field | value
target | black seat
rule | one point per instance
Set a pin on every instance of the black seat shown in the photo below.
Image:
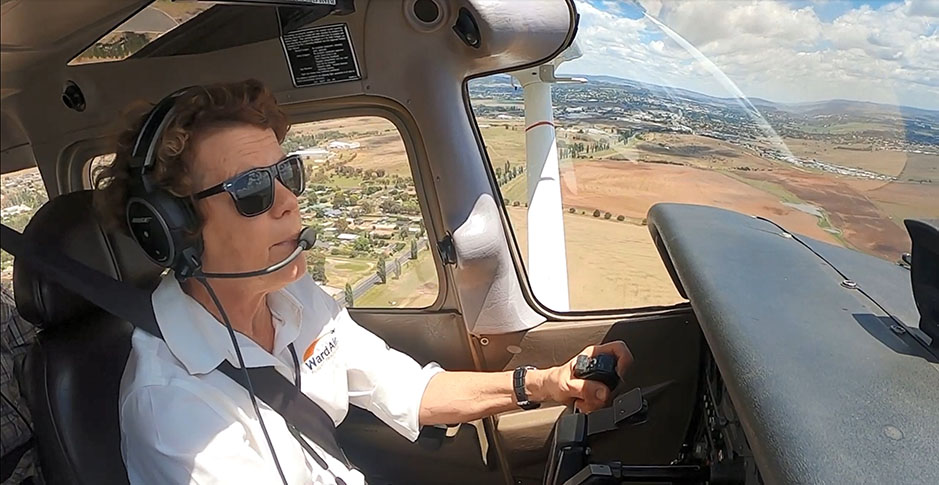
(72, 374)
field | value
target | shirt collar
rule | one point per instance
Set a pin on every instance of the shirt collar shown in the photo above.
(201, 343)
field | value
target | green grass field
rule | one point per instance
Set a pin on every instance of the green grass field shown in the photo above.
(340, 271)
(516, 189)
(849, 127)
(416, 288)
(344, 182)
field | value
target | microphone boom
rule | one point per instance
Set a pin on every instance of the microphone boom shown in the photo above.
(306, 241)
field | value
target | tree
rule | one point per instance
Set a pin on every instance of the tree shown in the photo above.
(607, 215)
(620, 218)
(382, 269)
(339, 200)
(350, 298)
(596, 213)
(623, 136)
(390, 206)
(362, 244)
(572, 210)
(413, 249)
(318, 272)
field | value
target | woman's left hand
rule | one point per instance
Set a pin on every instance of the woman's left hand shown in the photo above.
(558, 384)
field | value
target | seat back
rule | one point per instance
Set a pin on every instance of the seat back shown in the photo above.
(72, 374)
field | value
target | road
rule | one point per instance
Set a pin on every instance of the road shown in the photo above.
(366, 284)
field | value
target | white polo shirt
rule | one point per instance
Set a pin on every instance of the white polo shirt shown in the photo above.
(184, 422)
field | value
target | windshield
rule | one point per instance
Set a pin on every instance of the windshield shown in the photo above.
(144, 27)
(821, 117)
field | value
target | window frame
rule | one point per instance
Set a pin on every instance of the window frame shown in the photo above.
(680, 308)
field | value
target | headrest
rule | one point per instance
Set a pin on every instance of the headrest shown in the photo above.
(68, 223)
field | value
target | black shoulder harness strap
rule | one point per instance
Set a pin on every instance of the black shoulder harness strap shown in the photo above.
(135, 306)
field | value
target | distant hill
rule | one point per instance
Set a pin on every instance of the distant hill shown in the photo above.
(654, 88)
(833, 106)
(494, 80)
(859, 108)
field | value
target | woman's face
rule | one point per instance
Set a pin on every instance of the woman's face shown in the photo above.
(233, 242)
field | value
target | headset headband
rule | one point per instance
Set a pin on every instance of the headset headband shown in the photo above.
(145, 147)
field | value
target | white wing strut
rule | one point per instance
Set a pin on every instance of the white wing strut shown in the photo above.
(547, 257)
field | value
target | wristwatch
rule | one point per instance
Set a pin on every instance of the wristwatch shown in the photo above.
(518, 383)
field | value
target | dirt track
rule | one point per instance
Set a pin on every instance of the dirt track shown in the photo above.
(864, 225)
(630, 188)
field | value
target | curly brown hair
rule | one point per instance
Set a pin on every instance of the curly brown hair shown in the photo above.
(247, 102)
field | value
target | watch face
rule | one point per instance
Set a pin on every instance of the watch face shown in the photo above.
(528, 405)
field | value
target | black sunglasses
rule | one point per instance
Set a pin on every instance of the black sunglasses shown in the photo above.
(253, 191)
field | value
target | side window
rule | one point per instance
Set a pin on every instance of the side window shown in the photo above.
(22, 195)
(725, 113)
(93, 165)
(372, 248)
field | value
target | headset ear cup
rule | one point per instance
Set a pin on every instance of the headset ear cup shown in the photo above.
(149, 228)
(164, 226)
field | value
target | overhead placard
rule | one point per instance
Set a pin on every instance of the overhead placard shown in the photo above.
(320, 55)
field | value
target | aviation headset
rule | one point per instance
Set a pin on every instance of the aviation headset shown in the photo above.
(162, 224)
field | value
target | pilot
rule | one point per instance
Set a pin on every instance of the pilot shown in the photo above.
(184, 421)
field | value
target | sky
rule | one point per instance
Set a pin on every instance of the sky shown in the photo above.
(795, 51)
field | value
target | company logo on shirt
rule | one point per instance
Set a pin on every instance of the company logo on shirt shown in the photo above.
(321, 349)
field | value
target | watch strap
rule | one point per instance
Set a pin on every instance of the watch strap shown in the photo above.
(518, 384)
